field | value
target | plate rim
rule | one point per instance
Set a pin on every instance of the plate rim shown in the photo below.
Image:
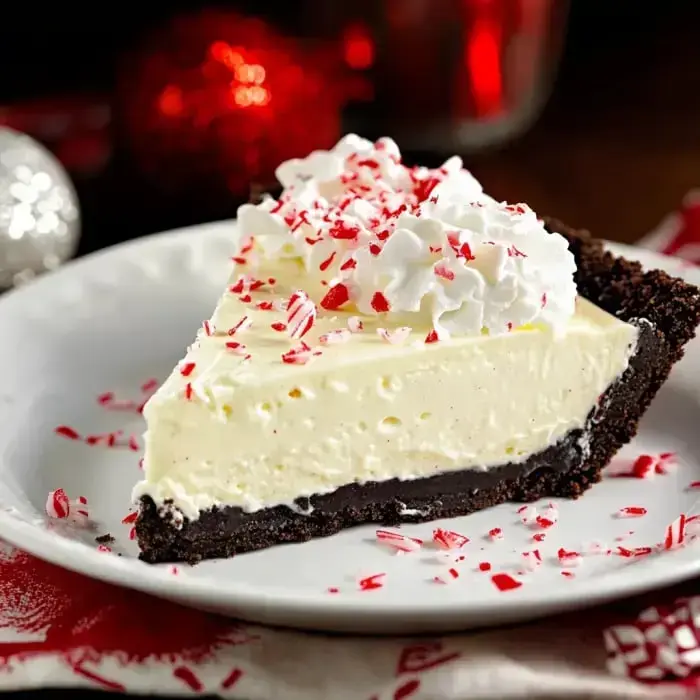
(200, 590)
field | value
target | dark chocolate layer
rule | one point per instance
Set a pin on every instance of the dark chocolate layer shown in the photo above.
(670, 310)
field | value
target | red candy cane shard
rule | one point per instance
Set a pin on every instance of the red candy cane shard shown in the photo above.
(401, 543)
(448, 539)
(149, 386)
(568, 558)
(58, 504)
(631, 512)
(450, 576)
(495, 534)
(336, 296)
(67, 432)
(675, 533)
(505, 582)
(370, 583)
(301, 314)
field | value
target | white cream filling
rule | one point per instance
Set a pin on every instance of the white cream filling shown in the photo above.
(260, 433)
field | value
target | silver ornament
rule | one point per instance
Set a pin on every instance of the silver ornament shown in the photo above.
(39, 213)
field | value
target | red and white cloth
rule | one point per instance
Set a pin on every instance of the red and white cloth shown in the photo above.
(60, 629)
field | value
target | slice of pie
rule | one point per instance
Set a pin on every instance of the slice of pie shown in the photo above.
(395, 346)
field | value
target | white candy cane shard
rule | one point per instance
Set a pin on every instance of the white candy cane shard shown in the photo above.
(399, 335)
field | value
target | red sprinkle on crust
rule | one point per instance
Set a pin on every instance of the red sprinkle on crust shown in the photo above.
(187, 369)
(335, 297)
(505, 582)
(370, 583)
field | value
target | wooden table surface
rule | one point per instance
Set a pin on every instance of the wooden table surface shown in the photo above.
(618, 145)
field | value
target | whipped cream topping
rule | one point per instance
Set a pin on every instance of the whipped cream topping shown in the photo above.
(383, 238)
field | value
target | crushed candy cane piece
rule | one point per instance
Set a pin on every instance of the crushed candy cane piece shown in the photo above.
(450, 576)
(448, 539)
(335, 337)
(484, 566)
(528, 514)
(301, 314)
(543, 522)
(58, 504)
(569, 558)
(243, 325)
(104, 548)
(532, 559)
(505, 582)
(60, 507)
(675, 533)
(646, 466)
(355, 324)
(300, 355)
(67, 432)
(495, 533)
(149, 386)
(395, 337)
(370, 583)
(398, 541)
(631, 512)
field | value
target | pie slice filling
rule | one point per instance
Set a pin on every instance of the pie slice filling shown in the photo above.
(393, 346)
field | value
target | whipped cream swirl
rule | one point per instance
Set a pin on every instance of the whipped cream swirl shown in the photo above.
(399, 241)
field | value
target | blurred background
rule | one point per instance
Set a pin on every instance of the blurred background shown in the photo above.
(165, 115)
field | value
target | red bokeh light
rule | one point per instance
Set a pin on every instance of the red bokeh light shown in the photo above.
(219, 97)
(358, 47)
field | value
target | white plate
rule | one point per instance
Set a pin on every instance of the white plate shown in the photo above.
(112, 320)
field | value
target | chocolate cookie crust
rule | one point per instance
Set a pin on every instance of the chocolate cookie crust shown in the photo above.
(667, 312)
